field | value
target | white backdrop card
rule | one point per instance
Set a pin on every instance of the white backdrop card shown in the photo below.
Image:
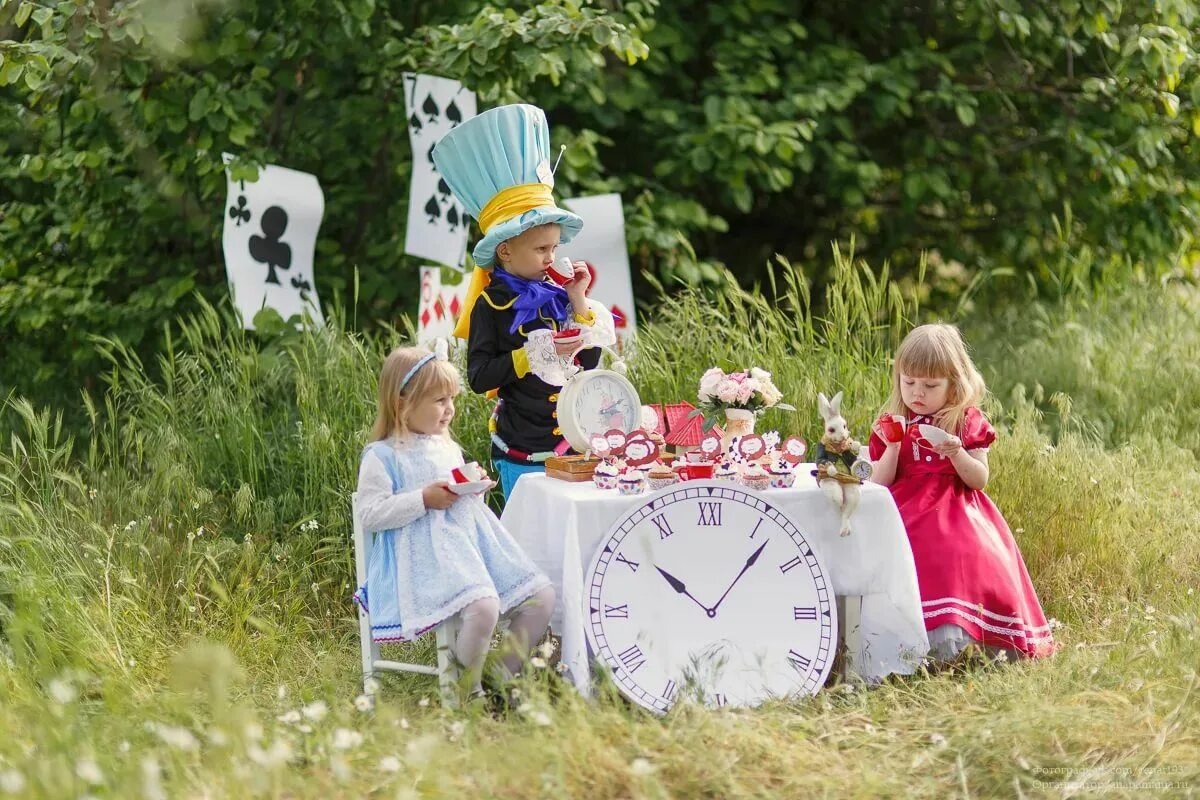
(602, 243)
(269, 238)
(437, 226)
(440, 306)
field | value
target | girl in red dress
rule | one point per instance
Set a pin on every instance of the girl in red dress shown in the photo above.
(974, 586)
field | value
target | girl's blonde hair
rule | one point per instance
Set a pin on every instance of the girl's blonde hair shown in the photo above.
(434, 378)
(938, 351)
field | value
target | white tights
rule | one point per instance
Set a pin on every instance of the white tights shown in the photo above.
(526, 624)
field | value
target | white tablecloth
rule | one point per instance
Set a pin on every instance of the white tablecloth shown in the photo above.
(560, 525)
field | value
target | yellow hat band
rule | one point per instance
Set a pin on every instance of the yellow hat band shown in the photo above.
(513, 202)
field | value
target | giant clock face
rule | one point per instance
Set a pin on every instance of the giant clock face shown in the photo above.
(709, 585)
(594, 402)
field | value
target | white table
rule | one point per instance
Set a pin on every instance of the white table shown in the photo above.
(560, 524)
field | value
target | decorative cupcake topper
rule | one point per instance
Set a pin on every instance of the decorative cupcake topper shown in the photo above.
(710, 445)
(751, 447)
(616, 439)
(640, 453)
(793, 450)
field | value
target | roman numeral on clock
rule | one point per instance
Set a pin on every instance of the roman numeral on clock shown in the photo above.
(804, 612)
(756, 527)
(632, 659)
(710, 514)
(633, 565)
(801, 663)
(663, 525)
(616, 612)
(669, 692)
(795, 562)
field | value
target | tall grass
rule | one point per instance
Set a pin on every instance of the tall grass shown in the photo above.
(174, 615)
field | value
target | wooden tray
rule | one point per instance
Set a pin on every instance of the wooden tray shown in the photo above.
(573, 469)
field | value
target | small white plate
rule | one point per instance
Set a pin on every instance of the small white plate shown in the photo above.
(473, 487)
(933, 434)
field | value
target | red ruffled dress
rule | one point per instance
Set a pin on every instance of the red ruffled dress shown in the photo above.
(969, 570)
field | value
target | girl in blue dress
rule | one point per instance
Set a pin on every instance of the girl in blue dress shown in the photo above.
(438, 554)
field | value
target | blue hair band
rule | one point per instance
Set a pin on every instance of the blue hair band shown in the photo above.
(409, 376)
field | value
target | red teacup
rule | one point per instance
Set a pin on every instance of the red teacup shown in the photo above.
(562, 271)
(892, 430)
(698, 471)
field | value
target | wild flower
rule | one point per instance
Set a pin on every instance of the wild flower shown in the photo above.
(315, 711)
(88, 771)
(11, 781)
(345, 739)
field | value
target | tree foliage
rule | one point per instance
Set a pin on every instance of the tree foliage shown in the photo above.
(1044, 139)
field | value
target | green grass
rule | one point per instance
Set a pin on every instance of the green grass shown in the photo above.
(174, 585)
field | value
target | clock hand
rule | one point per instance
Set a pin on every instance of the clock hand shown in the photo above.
(749, 563)
(678, 586)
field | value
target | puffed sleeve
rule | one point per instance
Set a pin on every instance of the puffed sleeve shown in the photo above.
(379, 508)
(978, 433)
(876, 447)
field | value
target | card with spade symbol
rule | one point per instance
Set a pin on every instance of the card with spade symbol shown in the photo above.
(437, 227)
(269, 238)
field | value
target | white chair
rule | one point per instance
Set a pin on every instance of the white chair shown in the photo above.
(447, 671)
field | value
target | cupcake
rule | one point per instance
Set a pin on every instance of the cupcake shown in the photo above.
(728, 471)
(755, 477)
(605, 476)
(631, 482)
(782, 475)
(660, 476)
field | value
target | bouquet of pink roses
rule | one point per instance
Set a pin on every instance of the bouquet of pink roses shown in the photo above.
(749, 390)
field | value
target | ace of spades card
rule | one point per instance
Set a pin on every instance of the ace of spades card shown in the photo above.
(437, 226)
(269, 238)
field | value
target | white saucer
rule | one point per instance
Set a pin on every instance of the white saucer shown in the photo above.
(933, 434)
(472, 487)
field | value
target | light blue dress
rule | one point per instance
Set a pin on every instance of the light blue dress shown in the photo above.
(428, 565)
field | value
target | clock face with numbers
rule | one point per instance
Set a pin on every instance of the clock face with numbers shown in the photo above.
(709, 588)
(596, 401)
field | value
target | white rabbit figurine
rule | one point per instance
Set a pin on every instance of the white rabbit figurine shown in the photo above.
(838, 447)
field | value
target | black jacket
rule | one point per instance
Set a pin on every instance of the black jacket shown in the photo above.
(528, 419)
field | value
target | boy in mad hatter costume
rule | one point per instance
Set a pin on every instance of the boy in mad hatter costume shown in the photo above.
(497, 164)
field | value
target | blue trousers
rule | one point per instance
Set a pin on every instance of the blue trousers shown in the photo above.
(510, 471)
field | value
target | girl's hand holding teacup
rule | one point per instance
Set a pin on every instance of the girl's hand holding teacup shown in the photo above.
(949, 448)
(437, 496)
(889, 430)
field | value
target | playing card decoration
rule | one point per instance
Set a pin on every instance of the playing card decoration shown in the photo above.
(269, 237)
(437, 226)
(602, 244)
(439, 307)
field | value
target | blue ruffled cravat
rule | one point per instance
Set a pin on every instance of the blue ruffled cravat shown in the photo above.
(534, 299)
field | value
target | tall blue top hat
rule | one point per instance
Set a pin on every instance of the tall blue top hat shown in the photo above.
(498, 166)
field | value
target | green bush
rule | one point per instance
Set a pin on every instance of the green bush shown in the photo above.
(1053, 141)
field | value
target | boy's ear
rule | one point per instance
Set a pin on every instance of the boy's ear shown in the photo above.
(503, 251)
